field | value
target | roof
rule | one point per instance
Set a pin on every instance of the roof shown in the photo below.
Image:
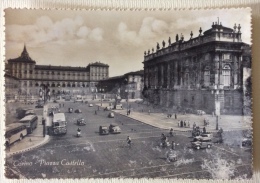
(27, 118)
(13, 126)
(23, 58)
(218, 26)
(141, 72)
(61, 68)
(58, 117)
(98, 64)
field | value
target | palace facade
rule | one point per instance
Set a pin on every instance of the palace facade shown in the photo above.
(203, 73)
(56, 78)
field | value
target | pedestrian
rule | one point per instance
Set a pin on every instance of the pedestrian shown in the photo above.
(128, 141)
(189, 124)
(175, 116)
(194, 125)
(173, 145)
(129, 111)
(171, 132)
(181, 123)
(95, 112)
(184, 124)
(204, 129)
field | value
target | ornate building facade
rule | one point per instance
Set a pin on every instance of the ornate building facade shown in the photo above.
(56, 78)
(200, 72)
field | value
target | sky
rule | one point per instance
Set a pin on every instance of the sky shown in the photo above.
(116, 38)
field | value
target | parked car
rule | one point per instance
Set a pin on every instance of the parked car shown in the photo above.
(111, 115)
(70, 110)
(203, 137)
(113, 128)
(78, 111)
(39, 105)
(90, 105)
(103, 130)
(200, 112)
(81, 122)
(197, 144)
(247, 142)
(108, 108)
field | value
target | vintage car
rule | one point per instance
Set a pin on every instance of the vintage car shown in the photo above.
(51, 113)
(203, 137)
(247, 142)
(81, 122)
(78, 111)
(39, 105)
(70, 110)
(90, 105)
(198, 144)
(114, 129)
(108, 108)
(111, 115)
(103, 130)
(200, 112)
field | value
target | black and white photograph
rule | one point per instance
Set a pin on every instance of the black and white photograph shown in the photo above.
(163, 94)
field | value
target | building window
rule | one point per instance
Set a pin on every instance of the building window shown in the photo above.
(227, 75)
(206, 76)
(226, 56)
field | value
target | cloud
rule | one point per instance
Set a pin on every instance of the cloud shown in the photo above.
(151, 28)
(45, 30)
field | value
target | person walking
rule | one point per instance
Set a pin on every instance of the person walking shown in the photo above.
(173, 145)
(175, 116)
(128, 141)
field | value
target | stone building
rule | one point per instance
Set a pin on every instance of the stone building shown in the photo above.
(12, 87)
(129, 85)
(202, 73)
(56, 78)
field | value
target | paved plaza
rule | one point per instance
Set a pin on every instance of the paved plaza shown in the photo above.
(96, 156)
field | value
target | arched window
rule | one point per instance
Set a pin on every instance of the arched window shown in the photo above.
(206, 76)
(227, 75)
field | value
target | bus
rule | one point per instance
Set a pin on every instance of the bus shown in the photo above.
(31, 122)
(59, 124)
(14, 132)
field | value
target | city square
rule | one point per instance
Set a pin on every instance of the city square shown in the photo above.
(177, 107)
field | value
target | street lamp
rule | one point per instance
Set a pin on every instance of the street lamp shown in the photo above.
(216, 92)
(101, 91)
(127, 91)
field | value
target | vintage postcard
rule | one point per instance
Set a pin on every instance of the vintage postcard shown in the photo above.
(128, 94)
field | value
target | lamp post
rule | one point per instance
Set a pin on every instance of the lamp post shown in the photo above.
(127, 91)
(101, 91)
(216, 92)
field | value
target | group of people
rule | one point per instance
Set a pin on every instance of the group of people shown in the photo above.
(185, 124)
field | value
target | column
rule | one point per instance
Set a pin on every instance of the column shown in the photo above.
(168, 75)
(216, 68)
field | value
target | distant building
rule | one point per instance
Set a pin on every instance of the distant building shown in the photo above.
(129, 85)
(56, 78)
(204, 72)
(12, 87)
